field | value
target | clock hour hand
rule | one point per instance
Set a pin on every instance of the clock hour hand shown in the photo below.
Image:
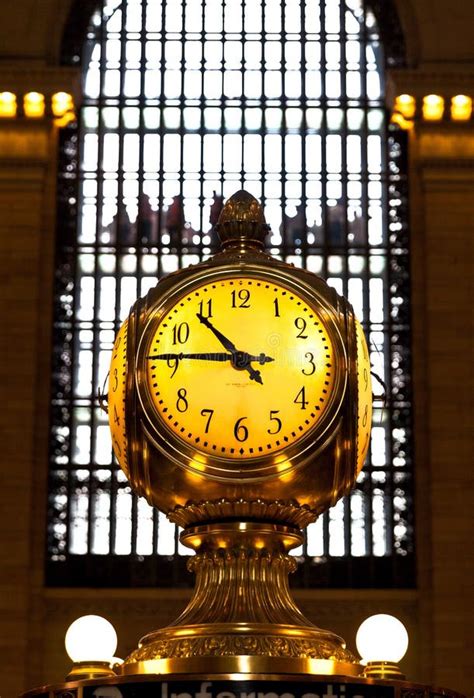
(254, 374)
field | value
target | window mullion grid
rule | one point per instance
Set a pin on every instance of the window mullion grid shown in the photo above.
(161, 149)
(388, 352)
(117, 323)
(288, 247)
(366, 295)
(180, 212)
(222, 97)
(121, 211)
(324, 221)
(344, 203)
(243, 120)
(117, 320)
(389, 372)
(202, 131)
(398, 248)
(388, 488)
(141, 196)
(71, 401)
(303, 130)
(181, 131)
(96, 322)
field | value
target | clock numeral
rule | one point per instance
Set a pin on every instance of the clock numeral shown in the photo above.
(241, 299)
(115, 386)
(116, 417)
(366, 378)
(173, 363)
(312, 365)
(241, 432)
(274, 418)
(300, 399)
(364, 418)
(277, 307)
(300, 324)
(209, 414)
(181, 402)
(180, 333)
(205, 308)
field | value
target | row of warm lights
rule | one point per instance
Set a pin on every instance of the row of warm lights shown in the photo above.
(91, 642)
(432, 109)
(34, 105)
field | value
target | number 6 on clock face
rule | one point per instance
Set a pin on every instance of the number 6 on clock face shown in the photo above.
(240, 367)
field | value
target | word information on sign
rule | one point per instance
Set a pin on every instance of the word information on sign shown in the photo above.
(239, 689)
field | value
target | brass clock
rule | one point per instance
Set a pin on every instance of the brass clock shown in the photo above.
(238, 374)
(240, 405)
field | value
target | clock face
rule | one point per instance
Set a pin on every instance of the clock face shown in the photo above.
(116, 396)
(240, 367)
(364, 391)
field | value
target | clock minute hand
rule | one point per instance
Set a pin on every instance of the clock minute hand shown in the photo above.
(226, 343)
(209, 356)
(241, 359)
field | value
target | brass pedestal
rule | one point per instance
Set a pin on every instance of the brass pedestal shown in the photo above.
(242, 617)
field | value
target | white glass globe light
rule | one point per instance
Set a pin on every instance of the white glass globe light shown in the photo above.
(382, 638)
(91, 639)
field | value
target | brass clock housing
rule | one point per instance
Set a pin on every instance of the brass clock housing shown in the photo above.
(316, 468)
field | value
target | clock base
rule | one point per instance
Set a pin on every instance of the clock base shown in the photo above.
(242, 614)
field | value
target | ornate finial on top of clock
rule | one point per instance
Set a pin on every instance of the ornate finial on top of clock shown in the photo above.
(242, 221)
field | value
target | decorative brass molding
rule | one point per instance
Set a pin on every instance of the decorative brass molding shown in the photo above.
(235, 645)
(198, 512)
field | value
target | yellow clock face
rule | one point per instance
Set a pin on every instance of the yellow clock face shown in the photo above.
(116, 397)
(364, 390)
(240, 367)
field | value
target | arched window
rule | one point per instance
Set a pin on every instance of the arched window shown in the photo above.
(184, 103)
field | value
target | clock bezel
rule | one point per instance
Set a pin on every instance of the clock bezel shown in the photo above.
(263, 466)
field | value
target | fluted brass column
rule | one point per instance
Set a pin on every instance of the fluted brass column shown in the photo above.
(242, 615)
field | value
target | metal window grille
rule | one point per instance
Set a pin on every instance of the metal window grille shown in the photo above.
(186, 102)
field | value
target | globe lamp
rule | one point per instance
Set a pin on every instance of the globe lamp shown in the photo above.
(382, 641)
(91, 642)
